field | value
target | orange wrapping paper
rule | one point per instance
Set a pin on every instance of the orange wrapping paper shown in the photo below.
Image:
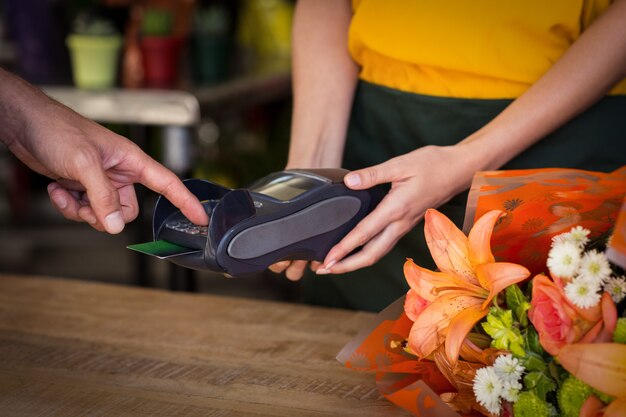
(411, 384)
(541, 203)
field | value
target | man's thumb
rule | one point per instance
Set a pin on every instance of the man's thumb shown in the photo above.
(104, 200)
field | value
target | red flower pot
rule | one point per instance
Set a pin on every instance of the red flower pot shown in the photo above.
(160, 55)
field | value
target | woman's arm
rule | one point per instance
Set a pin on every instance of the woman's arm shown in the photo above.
(430, 176)
(583, 75)
(324, 79)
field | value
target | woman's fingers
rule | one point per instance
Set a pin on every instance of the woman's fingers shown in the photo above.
(295, 271)
(315, 266)
(373, 224)
(372, 252)
(279, 267)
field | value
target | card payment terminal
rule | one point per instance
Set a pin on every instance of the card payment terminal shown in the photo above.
(287, 215)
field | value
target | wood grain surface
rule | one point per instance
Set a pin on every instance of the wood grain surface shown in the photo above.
(71, 348)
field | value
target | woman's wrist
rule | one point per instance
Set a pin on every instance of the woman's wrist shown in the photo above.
(310, 149)
(494, 145)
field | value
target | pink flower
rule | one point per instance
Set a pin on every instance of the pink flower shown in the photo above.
(558, 322)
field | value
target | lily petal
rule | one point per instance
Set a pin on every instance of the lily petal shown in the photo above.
(424, 340)
(480, 238)
(609, 318)
(602, 331)
(459, 327)
(591, 407)
(427, 284)
(430, 327)
(499, 275)
(419, 279)
(601, 365)
(448, 246)
(617, 408)
(414, 305)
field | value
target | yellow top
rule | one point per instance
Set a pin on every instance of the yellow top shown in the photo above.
(463, 48)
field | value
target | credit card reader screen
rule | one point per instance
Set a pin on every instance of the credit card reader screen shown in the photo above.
(286, 186)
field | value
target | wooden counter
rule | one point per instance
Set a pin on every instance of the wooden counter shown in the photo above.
(72, 348)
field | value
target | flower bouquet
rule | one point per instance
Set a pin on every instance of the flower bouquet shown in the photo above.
(480, 337)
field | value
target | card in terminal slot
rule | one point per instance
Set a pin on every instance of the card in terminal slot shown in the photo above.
(162, 249)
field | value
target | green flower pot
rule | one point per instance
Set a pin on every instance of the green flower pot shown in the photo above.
(94, 60)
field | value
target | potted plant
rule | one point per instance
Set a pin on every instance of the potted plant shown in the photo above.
(211, 44)
(94, 49)
(160, 49)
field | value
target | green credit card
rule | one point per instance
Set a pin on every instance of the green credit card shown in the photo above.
(162, 249)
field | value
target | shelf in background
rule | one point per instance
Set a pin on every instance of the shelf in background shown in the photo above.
(243, 91)
(172, 107)
(142, 107)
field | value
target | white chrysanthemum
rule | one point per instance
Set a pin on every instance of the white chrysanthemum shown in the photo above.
(510, 390)
(564, 259)
(579, 235)
(508, 368)
(616, 287)
(487, 389)
(595, 266)
(559, 239)
(583, 292)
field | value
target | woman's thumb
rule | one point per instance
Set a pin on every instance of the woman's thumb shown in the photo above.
(367, 177)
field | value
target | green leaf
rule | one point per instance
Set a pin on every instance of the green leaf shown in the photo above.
(490, 330)
(494, 321)
(514, 297)
(534, 362)
(517, 349)
(557, 372)
(531, 339)
(521, 313)
(540, 383)
(507, 318)
(518, 303)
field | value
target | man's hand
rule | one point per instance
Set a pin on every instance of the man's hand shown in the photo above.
(93, 168)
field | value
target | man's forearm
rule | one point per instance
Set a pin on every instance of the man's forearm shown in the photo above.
(18, 100)
(324, 79)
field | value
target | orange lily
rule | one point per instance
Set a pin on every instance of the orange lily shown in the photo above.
(602, 366)
(459, 296)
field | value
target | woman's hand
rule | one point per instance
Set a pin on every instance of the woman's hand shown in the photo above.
(424, 178)
(294, 270)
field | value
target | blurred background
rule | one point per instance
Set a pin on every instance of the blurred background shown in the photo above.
(202, 86)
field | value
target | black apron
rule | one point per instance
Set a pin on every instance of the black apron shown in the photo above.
(386, 123)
